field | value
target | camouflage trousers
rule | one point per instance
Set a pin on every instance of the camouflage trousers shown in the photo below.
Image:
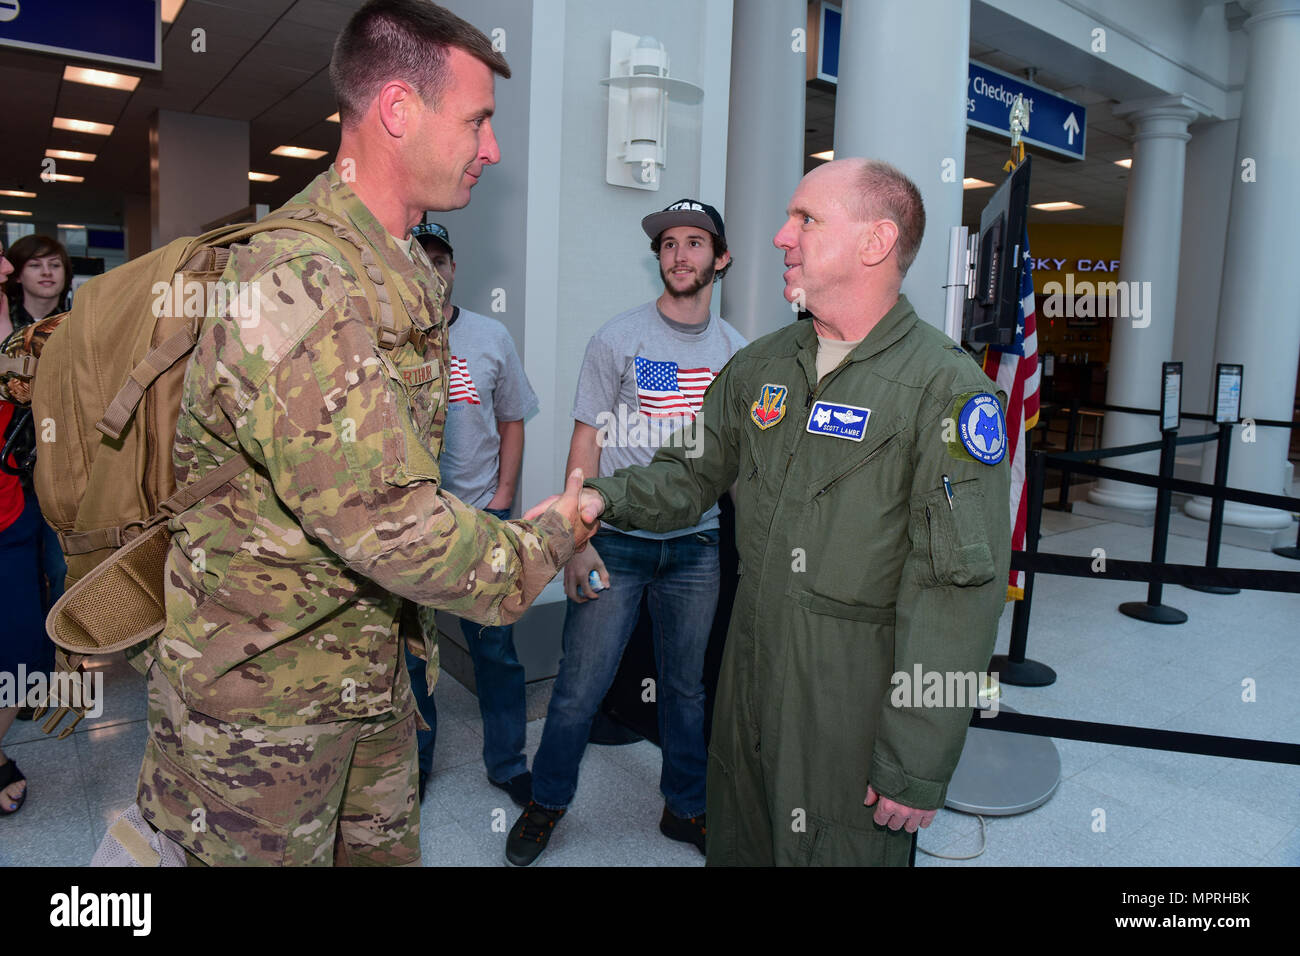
(341, 793)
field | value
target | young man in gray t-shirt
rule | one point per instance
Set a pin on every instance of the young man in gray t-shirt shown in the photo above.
(483, 446)
(641, 385)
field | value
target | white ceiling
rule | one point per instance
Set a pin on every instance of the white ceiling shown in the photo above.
(266, 62)
(1096, 182)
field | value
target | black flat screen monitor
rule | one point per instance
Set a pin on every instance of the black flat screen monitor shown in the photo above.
(991, 315)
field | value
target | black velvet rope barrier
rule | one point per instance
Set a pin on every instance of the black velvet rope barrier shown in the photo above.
(1191, 416)
(1182, 486)
(1150, 738)
(1068, 565)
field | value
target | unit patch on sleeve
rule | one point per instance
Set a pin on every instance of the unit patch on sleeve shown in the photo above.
(981, 429)
(839, 421)
(770, 407)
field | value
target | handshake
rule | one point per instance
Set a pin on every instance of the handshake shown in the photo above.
(581, 507)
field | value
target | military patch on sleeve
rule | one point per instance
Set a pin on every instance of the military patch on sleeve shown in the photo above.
(978, 429)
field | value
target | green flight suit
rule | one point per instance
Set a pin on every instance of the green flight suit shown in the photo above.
(854, 568)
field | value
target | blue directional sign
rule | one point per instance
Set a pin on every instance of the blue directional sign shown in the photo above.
(1055, 123)
(125, 32)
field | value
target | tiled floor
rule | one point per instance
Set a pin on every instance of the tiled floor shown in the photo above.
(1114, 805)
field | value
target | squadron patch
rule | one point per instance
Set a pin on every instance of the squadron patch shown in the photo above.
(981, 428)
(839, 421)
(770, 407)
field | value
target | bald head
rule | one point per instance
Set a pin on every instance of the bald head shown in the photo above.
(870, 190)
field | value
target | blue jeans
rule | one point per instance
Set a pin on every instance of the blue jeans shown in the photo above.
(500, 680)
(680, 578)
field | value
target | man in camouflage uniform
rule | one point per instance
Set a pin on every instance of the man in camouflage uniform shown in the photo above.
(282, 725)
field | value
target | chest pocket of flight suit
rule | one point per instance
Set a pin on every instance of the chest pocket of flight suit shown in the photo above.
(418, 391)
(955, 537)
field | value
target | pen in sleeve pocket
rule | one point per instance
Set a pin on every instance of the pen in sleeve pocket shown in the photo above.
(947, 490)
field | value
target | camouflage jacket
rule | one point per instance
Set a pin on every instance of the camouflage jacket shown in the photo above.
(284, 587)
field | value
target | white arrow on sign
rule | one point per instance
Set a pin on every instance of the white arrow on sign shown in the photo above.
(1071, 126)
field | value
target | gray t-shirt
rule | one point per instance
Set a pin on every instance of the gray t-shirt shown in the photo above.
(642, 381)
(486, 384)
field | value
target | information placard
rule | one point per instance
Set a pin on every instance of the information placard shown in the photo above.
(1171, 395)
(1227, 393)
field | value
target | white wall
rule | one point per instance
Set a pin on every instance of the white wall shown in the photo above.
(588, 259)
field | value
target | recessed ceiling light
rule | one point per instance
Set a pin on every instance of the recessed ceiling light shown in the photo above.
(1126, 163)
(83, 126)
(1056, 206)
(68, 225)
(970, 182)
(298, 152)
(62, 178)
(14, 212)
(114, 81)
(333, 118)
(263, 177)
(824, 154)
(71, 154)
(17, 193)
(170, 8)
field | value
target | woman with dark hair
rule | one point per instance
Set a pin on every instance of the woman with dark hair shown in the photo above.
(23, 644)
(38, 287)
(42, 276)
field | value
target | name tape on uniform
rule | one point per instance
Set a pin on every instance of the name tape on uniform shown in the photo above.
(839, 421)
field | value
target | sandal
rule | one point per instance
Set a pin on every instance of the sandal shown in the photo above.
(10, 774)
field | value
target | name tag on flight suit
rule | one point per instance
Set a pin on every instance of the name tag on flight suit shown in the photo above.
(839, 421)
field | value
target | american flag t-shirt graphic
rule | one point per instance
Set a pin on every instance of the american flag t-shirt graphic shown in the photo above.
(663, 390)
(460, 385)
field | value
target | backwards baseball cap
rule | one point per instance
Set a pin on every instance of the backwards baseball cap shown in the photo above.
(432, 230)
(684, 212)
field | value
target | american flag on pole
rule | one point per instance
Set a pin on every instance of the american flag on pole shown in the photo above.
(1015, 369)
(663, 390)
(459, 384)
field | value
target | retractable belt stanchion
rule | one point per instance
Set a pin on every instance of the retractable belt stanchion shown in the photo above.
(1215, 535)
(1071, 436)
(1012, 667)
(1152, 610)
(1290, 552)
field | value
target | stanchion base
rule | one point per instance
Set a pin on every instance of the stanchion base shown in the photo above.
(1001, 774)
(1024, 673)
(1153, 613)
(1212, 589)
(1068, 507)
(1292, 553)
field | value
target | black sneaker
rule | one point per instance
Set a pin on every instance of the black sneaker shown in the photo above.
(683, 830)
(530, 834)
(520, 788)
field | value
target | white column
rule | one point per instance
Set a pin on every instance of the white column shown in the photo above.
(198, 169)
(901, 98)
(1153, 216)
(1259, 306)
(765, 135)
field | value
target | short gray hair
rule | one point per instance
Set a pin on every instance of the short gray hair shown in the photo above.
(883, 192)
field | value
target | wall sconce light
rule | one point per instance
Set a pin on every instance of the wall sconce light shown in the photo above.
(639, 88)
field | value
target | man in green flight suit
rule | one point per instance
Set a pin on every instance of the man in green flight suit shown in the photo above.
(282, 725)
(873, 526)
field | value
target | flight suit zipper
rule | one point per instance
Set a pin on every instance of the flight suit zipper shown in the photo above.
(838, 478)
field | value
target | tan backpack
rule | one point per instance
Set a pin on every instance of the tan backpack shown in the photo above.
(105, 383)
